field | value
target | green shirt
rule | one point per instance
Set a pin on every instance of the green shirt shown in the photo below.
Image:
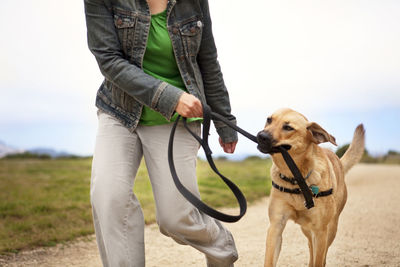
(159, 62)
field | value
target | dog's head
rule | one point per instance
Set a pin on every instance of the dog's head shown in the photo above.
(291, 130)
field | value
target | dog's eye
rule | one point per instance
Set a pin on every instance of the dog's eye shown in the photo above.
(269, 120)
(287, 128)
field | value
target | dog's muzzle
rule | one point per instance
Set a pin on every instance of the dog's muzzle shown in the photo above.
(267, 144)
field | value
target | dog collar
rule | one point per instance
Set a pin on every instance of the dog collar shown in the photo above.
(314, 190)
(292, 180)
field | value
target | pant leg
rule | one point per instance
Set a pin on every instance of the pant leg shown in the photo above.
(176, 217)
(117, 215)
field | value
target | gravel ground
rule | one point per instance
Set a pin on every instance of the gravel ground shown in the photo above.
(368, 235)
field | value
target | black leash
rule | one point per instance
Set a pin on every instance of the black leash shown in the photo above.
(309, 203)
(207, 116)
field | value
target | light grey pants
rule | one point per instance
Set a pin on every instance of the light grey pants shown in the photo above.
(117, 215)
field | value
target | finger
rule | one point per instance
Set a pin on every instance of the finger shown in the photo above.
(220, 142)
(233, 147)
(197, 109)
(194, 107)
(228, 148)
(199, 113)
(200, 109)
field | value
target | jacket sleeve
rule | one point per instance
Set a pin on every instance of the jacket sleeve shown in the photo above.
(216, 94)
(104, 44)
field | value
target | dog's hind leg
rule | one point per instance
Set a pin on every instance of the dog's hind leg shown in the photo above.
(308, 234)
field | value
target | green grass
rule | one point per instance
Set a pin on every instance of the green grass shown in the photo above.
(249, 175)
(45, 201)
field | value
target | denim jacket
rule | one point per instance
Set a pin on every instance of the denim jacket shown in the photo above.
(117, 33)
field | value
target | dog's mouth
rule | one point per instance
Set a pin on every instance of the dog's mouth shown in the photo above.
(268, 145)
(266, 149)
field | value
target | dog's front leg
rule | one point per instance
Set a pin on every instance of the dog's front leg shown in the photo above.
(279, 214)
(320, 247)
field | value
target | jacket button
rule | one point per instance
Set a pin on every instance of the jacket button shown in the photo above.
(119, 22)
(175, 30)
(188, 82)
(182, 58)
(193, 30)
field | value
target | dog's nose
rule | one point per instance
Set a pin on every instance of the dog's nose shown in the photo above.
(264, 141)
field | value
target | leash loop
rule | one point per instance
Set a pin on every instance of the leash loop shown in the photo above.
(207, 115)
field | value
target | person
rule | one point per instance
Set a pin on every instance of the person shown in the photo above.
(158, 59)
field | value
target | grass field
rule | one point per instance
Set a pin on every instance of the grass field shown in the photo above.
(46, 201)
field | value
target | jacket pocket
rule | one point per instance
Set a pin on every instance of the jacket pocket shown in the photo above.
(191, 36)
(125, 22)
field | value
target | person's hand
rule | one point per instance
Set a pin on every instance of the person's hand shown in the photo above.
(189, 106)
(228, 147)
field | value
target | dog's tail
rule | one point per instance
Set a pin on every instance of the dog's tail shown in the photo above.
(356, 149)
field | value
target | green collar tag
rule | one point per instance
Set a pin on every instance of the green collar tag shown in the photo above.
(314, 189)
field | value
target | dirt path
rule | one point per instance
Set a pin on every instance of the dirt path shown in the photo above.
(368, 235)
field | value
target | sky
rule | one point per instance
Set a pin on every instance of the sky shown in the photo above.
(337, 62)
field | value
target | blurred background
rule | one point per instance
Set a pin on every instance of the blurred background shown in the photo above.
(337, 62)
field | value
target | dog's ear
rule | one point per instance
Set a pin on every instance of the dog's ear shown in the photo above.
(319, 135)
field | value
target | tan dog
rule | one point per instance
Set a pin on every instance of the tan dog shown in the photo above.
(324, 171)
